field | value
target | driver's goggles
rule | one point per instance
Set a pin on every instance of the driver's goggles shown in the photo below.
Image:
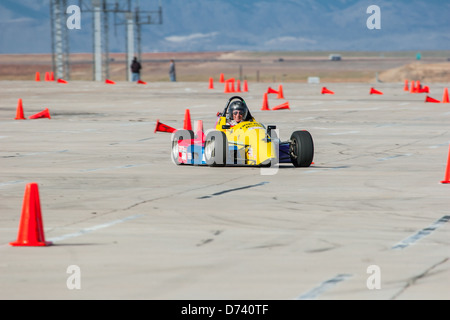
(238, 112)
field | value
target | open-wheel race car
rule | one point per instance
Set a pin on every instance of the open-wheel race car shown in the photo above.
(246, 142)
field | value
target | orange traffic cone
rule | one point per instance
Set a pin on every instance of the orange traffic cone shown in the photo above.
(374, 91)
(280, 92)
(245, 86)
(418, 87)
(282, 106)
(163, 127)
(19, 113)
(211, 83)
(447, 171)
(43, 114)
(47, 76)
(107, 81)
(412, 87)
(187, 120)
(231, 82)
(226, 88)
(238, 85)
(445, 97)
(265, 102)
(141, 82)
(199, 126)
(61, 81)
(270, 90)
(52, 76)
(199, 130)
(429, 99)
(222, 78)
(405, 88)
(31, 228)
(37, 77)
(326, 91)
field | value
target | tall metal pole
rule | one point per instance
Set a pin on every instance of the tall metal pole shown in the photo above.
(145, 17)
(52, 28)
(106, 40)
(97, 40)
(138, 35)
(130, 42)
(59, 39)
(66, 50)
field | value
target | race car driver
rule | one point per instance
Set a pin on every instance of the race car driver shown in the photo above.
(237, 112)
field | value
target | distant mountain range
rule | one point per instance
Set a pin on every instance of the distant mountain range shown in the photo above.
(254, 25)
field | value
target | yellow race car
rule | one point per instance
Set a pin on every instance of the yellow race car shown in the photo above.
(247, 142)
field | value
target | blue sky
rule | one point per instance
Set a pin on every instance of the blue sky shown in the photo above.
(217, 25)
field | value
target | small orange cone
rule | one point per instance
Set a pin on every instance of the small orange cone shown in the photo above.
(141, 82)
(37, 77)
(282, 106)
(107, 81)
(445, 96)
(47, 76)
(19, 113)
(211, 83)
(187, 120)
(447, 171)
(222, 78)
(405, 88)
(238, 86)
(412, 87)
(326, 91)
(199, 130)
(52, 76)
(280, 92)
(429, 99)
(231, 82)
(375, 91)
(418, 87)
(270, 90)
(265, 105)
(163, 127)
(43, 114)
(245, 86)
(61, 81)
(199, 126)
(31, 228)
(226, 87)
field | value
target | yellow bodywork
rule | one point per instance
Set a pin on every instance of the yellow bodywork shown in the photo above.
(253, 144)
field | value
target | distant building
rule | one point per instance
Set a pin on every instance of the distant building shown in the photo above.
(335, 57)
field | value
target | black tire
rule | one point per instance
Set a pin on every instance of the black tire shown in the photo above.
(216, 148)
(301, 149)
(177, 136)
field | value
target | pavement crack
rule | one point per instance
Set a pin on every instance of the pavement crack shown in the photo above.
(410, 282)
(233, 189)
(178, 193)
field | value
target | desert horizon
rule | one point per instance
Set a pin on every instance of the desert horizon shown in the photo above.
(279, 66)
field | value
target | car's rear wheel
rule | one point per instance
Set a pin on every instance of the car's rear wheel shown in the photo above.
(301, 148)
(216, 146)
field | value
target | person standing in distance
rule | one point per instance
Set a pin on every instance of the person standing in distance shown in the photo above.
(135, 70)
(172, 72)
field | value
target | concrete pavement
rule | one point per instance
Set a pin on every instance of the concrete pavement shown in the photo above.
(138, 227)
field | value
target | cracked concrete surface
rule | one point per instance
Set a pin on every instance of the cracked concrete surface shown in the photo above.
(147, 229)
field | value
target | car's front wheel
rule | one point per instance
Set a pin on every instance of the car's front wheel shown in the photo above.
(301, 148)
(178, 136)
